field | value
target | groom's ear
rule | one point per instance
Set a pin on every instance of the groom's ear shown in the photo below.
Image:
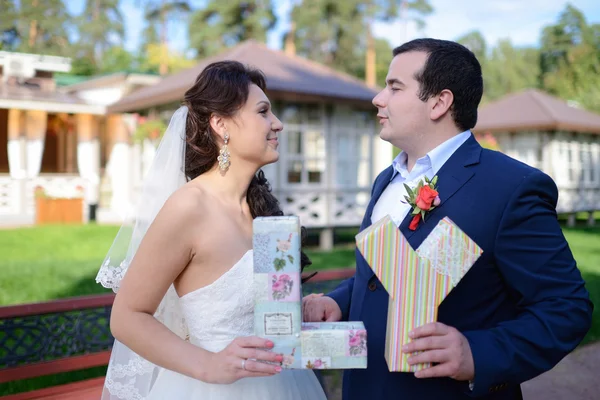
(441, 104)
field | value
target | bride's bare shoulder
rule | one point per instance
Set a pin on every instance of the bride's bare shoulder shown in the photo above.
(188, 204)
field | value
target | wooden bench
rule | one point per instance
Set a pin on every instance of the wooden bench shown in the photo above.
(59, 336)
(73, 334)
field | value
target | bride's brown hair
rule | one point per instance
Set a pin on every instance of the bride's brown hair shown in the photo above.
(222, 88)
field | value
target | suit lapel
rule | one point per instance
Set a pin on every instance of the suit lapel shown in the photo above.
(451, 177)
(380, 184)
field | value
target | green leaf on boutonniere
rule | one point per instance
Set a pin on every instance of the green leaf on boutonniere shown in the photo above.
(423, 215)
(416, 211)
(409, 190)
(408, 200)
(434, 180)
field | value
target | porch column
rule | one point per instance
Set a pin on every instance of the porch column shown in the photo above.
(117, 167)
(88, 155)
(35, 128)
(17, 157)
(17, 153)
(591, 219)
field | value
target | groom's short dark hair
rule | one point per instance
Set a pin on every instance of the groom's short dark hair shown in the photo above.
(451, 66)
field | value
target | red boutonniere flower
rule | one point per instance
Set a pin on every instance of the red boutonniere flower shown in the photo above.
(423, 198)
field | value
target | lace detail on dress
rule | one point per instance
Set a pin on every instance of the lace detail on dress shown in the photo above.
(126, 390)
(135, 366)
(224, 309)
(121, 379)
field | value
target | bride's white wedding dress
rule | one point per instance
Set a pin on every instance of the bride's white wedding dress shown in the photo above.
(216, 314)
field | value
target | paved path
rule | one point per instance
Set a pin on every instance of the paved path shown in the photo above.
(576, 377)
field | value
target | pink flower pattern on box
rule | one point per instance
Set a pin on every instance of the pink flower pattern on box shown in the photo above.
(357, 343)
(316, 364)
(283, 287)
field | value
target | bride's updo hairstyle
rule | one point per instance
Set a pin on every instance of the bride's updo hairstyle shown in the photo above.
(222, 88)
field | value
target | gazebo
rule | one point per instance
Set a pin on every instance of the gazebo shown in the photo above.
(329, 147)
(555, 136)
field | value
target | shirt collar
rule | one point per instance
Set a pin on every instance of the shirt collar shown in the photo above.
(436, 158)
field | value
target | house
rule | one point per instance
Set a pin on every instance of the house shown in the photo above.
(54, 139)
(554, 136)
(330, 148)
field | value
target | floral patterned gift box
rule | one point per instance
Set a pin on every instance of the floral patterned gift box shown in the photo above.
(278, 305)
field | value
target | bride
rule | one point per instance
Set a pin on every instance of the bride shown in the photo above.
(183, 314)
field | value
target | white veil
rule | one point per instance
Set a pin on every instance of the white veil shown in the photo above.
(129, 376)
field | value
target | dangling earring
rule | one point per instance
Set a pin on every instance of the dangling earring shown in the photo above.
(224, 156)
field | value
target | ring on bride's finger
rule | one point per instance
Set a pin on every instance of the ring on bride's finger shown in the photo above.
(244, 364)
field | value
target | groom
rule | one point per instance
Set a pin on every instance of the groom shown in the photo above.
(522, 306)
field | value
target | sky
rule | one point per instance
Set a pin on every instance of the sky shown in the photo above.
(519, 20)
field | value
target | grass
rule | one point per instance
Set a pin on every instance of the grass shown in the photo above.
(51, 262)
(585, 245)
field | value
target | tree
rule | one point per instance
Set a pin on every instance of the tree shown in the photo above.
(570, 59)
(160, 13)
(150, 33)
(223, 24)
(8, 25)
(83, 66)
(100, 27)
(332, 33)
(116, 59)
(383, 58)
(509, 69)
(387, 10)
(338, 34)
(42, 27)
(505, 68)
(475, 42)
(156, 56)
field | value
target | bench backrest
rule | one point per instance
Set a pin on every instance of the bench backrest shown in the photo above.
(73, 334)
(53, 337)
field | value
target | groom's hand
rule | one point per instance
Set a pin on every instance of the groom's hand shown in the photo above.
(319, 308)
(445, 347)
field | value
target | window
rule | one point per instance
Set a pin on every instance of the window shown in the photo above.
(304, 137)
(353, 132)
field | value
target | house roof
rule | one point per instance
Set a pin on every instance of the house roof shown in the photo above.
(68, 79)
(535, 110)
(25, 98)
(100, 81)
(39, 62)
(285, 73)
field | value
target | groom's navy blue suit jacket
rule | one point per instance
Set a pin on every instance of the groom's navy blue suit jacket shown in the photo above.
(522, 306)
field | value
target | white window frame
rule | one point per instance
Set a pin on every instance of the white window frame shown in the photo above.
(303, 127)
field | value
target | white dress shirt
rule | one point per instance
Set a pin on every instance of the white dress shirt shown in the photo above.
(392, 199)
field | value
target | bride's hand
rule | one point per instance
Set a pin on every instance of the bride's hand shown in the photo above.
(241, 359)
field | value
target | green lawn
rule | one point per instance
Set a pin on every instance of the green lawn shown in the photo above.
(50, 262)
